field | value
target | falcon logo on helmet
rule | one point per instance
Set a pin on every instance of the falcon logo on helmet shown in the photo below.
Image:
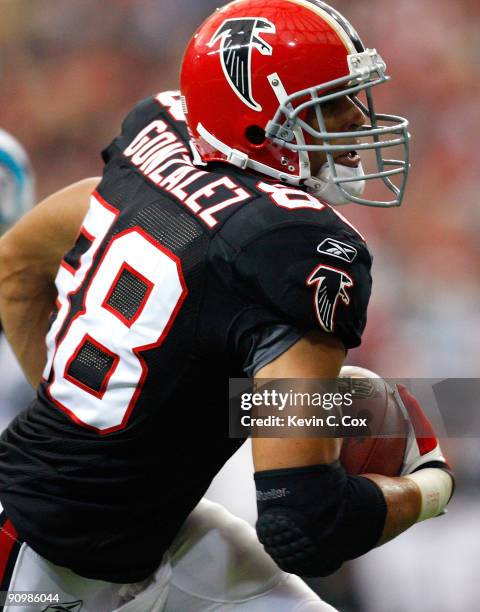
(238, 38)
(332, 285)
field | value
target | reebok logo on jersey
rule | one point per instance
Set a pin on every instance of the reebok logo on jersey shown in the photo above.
(338, 249)
(332, 285)
(238, 39)
(71, 606)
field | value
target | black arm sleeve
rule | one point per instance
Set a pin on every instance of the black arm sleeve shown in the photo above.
(312, 519)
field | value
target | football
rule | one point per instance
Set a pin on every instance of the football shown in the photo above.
(382, 450)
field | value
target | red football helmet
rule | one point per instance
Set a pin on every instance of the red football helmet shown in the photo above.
(252, 70)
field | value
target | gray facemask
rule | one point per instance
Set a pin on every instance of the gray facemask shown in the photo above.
(336, 183)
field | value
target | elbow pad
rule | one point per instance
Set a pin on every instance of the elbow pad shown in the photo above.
(312, 519)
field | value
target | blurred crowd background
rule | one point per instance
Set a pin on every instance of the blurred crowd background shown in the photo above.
(70, 71)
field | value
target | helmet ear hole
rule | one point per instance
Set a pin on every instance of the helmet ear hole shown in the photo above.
(255, 135)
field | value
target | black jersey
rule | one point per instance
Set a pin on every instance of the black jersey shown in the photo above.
(175, 270)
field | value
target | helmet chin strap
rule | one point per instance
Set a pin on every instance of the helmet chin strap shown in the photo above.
(324, 186)
(303, 159)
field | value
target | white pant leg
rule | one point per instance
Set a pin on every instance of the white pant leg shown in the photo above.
(291, 595)
(152, 595)
(34, 573)
(217, 563)
(72, 592)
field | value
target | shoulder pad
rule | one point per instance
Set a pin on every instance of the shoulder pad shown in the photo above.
(276, 206)
(314, 274)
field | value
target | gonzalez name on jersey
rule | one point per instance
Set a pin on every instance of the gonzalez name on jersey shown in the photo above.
(181, 277)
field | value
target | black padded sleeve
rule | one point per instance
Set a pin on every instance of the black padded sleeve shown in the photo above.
(311, 519)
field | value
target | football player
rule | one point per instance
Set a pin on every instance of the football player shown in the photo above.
(16, 198)
(208, 250)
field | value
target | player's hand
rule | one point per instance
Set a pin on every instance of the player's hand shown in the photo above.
(423, 449)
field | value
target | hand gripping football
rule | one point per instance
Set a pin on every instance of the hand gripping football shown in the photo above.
(374, 398)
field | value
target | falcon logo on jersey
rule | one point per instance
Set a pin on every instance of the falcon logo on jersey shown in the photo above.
(71, 606)
(338, 249)
(238, 39)
(332, 285)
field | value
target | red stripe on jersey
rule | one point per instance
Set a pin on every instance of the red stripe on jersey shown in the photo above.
(8, 539)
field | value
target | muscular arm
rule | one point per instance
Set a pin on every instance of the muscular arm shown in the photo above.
(30, 254)
(314, 356)
(321, 356)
